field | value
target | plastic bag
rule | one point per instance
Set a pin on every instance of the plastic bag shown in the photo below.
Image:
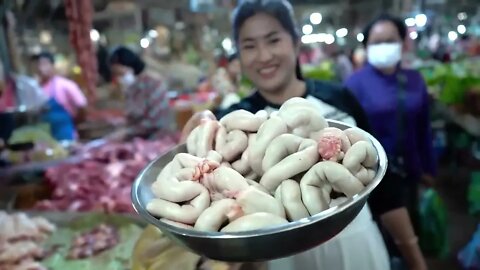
(469, 257)
(433, 224)
(154, 251)
(29, 92)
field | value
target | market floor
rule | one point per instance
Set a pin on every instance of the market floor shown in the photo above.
(452, 187)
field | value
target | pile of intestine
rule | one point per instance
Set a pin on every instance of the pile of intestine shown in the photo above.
(251, 171)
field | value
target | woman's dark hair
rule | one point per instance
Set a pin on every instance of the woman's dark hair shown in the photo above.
(125, 57)
(399, 24)
(281, 10)
(44, 55)
(232, 57)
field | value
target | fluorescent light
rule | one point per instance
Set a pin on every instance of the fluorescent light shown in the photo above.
(144, 43)
(308, 39)
(94, 35)
(227, 44)
(360, 37)
(316, 18)
(45, 37)
(461, 29)
(329, 39)
(410, 22)
(307, 29)
(462, 16)
(413, 35)
(314, 38)
(342, 32)
(421, 20)
(452, 35)
(153, 33)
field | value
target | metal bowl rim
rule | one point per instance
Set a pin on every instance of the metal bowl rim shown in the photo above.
(294, 225)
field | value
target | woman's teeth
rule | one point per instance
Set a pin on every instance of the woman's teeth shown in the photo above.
(267, 71)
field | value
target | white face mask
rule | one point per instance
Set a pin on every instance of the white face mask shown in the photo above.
(127, 80)
(384, 55)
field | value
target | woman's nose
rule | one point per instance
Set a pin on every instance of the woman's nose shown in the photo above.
(265, 54)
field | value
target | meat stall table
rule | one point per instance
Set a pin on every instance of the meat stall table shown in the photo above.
(94, 240)
(23, 185)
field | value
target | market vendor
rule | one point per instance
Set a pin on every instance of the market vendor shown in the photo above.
(19, 92)
(64, 91)
(268, 43)
(146, 108)
(12, 96)
(397, 104)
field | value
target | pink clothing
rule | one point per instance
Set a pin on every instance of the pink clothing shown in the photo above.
(7, 98)
(65, 92)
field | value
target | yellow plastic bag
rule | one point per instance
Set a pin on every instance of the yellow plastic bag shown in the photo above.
(155, 251)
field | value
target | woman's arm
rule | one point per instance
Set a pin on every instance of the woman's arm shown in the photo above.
(398, 224)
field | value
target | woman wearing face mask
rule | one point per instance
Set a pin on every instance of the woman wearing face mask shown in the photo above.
(397, 105)
(268, 46)
(145, 96)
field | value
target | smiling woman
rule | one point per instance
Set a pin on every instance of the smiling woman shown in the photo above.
(269, 47)
(268, 43)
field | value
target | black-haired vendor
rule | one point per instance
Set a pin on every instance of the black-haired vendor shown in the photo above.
(146, 106)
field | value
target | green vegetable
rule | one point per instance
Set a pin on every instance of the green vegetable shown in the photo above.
(451, 81)
(325, 71)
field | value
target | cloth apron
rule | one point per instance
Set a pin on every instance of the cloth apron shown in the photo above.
(359, 246)
(60, 121)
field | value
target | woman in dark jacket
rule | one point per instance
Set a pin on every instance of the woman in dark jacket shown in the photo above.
(268, 45)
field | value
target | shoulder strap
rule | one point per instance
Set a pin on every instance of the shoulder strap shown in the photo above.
(401, 113)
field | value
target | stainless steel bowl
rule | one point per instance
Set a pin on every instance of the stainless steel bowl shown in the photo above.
(259, 245)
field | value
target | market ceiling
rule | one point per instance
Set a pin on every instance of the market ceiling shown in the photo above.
(52, 11)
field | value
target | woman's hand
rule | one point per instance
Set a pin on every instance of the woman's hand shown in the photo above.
(422, 266)
(195, 121)
(398, 224)
(418, 264)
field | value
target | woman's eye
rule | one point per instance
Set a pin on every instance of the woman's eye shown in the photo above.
(275, 40)
(248, 47)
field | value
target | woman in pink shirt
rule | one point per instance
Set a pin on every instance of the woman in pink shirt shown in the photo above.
(18, 91)
(64, 91)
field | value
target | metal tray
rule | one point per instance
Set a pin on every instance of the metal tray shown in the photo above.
(258, 245)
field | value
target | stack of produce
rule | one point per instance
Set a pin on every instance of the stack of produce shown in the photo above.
(250, 171)
(102, 179)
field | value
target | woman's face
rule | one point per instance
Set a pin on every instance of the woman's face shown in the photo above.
(119, 71)
(384, 49)
(268, 55)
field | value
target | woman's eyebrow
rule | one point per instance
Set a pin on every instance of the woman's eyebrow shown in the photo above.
(266, 36)
(271, 34)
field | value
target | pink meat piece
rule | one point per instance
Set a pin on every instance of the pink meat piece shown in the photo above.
(329, 147)
(102, 179)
